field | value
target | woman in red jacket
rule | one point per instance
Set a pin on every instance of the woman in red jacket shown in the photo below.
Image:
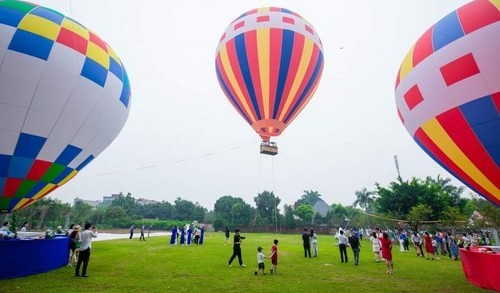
(386, 245)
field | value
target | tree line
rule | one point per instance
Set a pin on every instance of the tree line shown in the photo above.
(413, 203)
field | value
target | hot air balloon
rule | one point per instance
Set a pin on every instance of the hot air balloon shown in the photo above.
(448, 95)
(269, 62)
(64, 97)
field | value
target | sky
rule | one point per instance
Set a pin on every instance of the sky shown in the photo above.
(184, 139)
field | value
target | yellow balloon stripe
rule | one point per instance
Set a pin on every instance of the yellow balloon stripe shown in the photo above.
(263, 43)
(438, 135)
(97, 54)
(407, 64)
(234, 83)
(40, 26)
(299, 77)
(75, 28)
(21, 203)
(68, 178)
(44, 191)
(496, 3)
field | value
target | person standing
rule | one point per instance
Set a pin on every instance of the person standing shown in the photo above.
(24, 227)
(401, 238)
(131, 231)
(236, 249)
(375, 246)
(314, 243)
(189, 236)
(142, 234)
(226, 236)
(149, 229)
(85, 248)
(343, 246)
(74, 245)
(202, 234)
(260, 262)
(183, 235)
(306, 242)
(274, 257)
(417, 242)
(173, 236)
(386, 245)
(429, 248)
(355, 245)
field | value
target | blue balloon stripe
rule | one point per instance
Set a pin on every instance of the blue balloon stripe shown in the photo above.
(286, 56)
(446, 31)
(94, 72)
(484, 119)
(62, 176)
(67, 155)
(2, 184)
(429, 153)
(31, 44)
(29, 145)
(231, 97)
(241, 52)
(49, 14)
(4, 165)
(126, 92)
(36, 189)
(10, 17)
(13, 202)
(84, 163)
(308, 87)
(20, 167)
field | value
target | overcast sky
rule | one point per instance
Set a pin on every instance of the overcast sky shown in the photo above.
(184, 139)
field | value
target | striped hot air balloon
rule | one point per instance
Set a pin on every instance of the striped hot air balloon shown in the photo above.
(64, 97)
(269, 62)
(448, 95)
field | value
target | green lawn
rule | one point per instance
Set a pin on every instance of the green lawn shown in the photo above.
(155, 266)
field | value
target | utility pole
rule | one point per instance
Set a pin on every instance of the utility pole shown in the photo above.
(397, 168)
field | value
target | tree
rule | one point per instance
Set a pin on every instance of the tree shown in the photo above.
(419, 213)
(116, 216)
(364, 199)
(310, 197)
(289, 221)
(81, 212)
(232, 212)
(489, 212)
(183, 209)
(305, 212)
(267, 207)
(128, 203)
(337, 215)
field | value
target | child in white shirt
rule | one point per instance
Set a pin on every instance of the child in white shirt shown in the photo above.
(260, 261)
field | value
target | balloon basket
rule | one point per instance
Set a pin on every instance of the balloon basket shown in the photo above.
(269, 148)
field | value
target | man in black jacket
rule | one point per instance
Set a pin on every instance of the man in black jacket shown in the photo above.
(307, 243)
(355, 245)
(236, 249)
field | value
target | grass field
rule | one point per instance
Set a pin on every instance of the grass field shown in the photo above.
(155, 266)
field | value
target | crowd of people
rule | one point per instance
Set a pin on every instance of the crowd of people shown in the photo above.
(186, 235)
(426, 245)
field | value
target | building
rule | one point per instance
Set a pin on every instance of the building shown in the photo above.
(107, 200)
(321, 207)
(92, 203)
(143, 201)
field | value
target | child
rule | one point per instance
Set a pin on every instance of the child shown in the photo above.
(274, 257)
(260, 261)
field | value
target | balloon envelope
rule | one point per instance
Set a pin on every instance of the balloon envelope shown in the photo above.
(448, 95)
(64, 97)
(269, 62)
